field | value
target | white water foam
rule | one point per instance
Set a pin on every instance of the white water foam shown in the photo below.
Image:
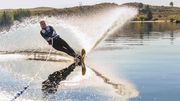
(11, 57)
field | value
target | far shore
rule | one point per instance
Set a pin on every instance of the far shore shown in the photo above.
(158, 21)
(147, 13)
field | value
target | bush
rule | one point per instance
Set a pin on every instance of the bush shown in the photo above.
(142, 18)
(172, 20)
(10, 16)
(159, 16)
(149, 15)
(0, 17)
(21, 13)
(155, 19)
(6, 19)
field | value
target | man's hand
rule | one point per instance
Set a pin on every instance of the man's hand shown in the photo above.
(49, 40)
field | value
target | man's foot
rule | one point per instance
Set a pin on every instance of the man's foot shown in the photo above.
(83, 53)
(77, 60)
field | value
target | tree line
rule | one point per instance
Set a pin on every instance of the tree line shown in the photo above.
(144, 12)
(7, 17)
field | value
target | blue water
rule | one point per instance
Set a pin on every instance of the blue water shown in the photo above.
(149, 61)
(140, 61)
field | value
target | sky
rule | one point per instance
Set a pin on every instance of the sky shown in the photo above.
(5, 4)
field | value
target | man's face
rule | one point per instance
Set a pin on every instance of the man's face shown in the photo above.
(43, 24)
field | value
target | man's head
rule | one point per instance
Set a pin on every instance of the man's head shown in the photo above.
(42, 24)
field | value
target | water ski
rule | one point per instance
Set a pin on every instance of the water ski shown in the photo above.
(83, 54)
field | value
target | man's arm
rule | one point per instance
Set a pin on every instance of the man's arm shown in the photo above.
(53, 31)
(48, 39)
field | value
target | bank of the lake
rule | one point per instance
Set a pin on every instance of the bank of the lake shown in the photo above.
(146, 12)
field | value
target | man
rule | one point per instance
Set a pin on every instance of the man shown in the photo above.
(50, 35)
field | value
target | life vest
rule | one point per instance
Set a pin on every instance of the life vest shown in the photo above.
(48, 32)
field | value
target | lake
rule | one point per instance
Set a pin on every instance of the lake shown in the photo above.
(139, 62)
(147, 55)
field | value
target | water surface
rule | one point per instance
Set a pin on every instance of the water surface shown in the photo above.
(147, 55)
(138, 63)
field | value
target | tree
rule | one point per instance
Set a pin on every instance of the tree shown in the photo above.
(21, 13)
(149, 15)
(171, 4)
(142, 18)
(4, 19)
(147, 8)
(140, 5)
(172, 20)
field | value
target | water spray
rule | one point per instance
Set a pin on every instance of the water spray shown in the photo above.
(92, 30)
(18, 94)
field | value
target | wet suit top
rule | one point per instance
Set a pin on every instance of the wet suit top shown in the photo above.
(47, 33)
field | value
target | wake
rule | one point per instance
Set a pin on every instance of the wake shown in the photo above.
(80, 32)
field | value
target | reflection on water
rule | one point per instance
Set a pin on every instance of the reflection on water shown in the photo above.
(50, 85)
(147, 30)
(72, 85)
(143, 33)
(146, 54)
(120, 89)
(139, 30)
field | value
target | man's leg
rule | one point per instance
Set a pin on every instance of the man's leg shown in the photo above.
(69, 50)
(61, 45)
(73, 54)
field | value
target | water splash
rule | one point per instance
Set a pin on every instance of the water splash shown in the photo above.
(79, 31)
(93, 29)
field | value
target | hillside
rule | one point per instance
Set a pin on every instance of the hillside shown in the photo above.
(146, 12)
(8, 16)
(84, 10)
(163, 13)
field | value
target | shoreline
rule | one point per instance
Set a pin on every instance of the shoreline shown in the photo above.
(147, 13)
(158, 21)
